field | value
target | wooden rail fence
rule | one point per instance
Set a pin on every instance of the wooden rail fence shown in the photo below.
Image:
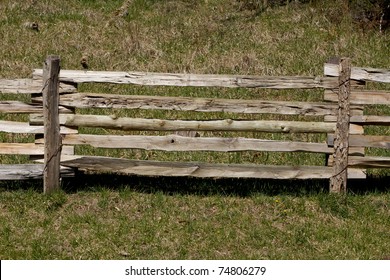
(55, 124)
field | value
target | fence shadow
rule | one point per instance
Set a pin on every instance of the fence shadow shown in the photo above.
(202, 187)
(225, 187)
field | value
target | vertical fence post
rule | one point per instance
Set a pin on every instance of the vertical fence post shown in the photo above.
(338, 182)
(52, 137)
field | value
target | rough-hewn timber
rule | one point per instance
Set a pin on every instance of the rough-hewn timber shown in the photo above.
(180, 143)
(362, 97)
(360, 73)
(195, 80)
(365, 120)
(201, 170)
(29, 86)
(23, 127)
(18, 107)
(338, 182)
(113, 122)
(20, 149)
(369, 141)
(369, 162)
(28, 171)
(52, 145)
(96, 100)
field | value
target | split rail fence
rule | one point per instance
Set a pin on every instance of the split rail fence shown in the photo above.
(55, 124)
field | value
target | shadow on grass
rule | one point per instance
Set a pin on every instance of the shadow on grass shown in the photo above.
(204, 187)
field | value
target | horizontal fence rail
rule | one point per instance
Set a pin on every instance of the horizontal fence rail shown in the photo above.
(202, 170)
(180, 143)
(29, 171)
(194, 80)
(111, 101)
(30, 86)
(360, 73)
(114, 122)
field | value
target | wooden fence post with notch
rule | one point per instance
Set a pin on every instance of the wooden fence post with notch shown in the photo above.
(338, 182)
(52, 136)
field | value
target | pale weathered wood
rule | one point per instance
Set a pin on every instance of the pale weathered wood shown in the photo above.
(369, 141)
(66, 150)
(29, 86)
(19, 127)
(52, 146)
(20, 149)
(338, 181)
(201, 170)
(64, 157)
(362, 97)
(195, 80)
(28, 171)
(96, 100)
(23, 127)
(369, 162)
(113, 122)
(365, 120)
(360, 73)
(180, 143)
(18, 107)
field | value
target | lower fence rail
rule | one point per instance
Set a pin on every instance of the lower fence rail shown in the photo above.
(29, 172)
(202, 170)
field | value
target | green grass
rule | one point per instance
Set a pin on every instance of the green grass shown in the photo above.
(124, 223)
(115, 217)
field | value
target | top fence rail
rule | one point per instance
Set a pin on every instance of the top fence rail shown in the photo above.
(360, 73)
(194, 80)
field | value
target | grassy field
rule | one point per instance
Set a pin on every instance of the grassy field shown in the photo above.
(203, 220)
(113, 217)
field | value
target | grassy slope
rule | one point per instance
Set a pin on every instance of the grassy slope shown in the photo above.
(137, 221)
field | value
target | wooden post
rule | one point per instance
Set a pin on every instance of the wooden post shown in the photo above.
(338, 182)
(52, 137)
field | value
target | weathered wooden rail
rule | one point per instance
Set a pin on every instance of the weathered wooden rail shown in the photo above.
(342, 122)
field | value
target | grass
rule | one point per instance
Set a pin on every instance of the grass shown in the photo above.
(114, 217)
(128, 223)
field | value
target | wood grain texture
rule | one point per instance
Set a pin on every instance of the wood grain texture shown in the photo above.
(20, 149)
(195, 80)
(362, 97)
(24, 127)
(180, 143)
(96, 100)
(139, 124)
(195, 169)
(364, 120)
(29, 86)
(369, 162)
(360, 73)
(338, 182)
(52, 136)
(28, 171)
(18, 107)
(369, 141)
(200, 170)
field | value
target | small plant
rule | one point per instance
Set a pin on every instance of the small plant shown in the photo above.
(55, 201)
(371, 13)
(261, 5)
(252, 5)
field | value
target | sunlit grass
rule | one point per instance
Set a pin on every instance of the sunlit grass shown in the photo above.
(126, 224)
